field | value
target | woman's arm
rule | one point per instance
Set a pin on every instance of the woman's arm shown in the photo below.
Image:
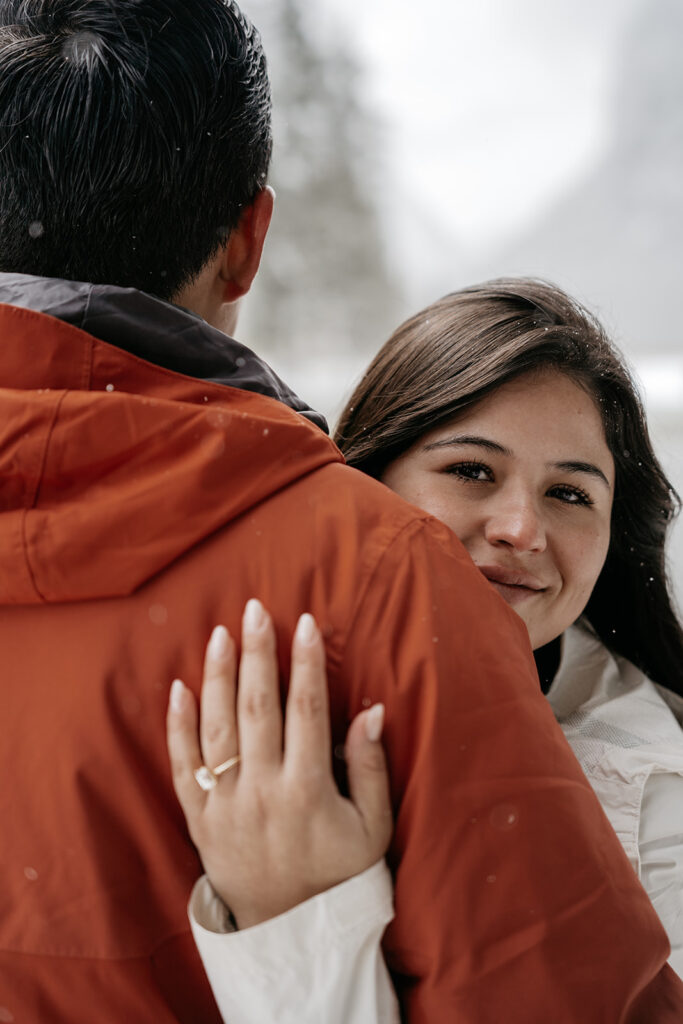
(274, 833)
(660, 846)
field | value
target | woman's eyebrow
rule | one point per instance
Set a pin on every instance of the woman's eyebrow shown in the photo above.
(582, 467)
(569, 466)
(462, 439)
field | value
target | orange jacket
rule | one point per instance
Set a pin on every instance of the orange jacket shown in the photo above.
(139, 507)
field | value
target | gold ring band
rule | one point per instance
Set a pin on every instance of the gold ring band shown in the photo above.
(226, 765)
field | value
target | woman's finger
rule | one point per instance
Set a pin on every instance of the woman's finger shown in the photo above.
(183, 747)
(307, 723)
(258, 694)
(218, 721)
(368, 776)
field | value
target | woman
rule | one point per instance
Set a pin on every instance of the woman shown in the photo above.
(504, 411)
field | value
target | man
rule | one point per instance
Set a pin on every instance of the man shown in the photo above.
(155, 475)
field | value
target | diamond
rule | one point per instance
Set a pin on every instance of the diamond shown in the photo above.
(205, 777)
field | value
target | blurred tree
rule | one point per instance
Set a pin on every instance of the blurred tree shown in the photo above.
(324, 282)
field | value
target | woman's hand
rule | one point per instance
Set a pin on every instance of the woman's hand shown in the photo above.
(275, 830)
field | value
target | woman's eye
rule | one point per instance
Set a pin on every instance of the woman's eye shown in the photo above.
(471, 471)
(570, 495)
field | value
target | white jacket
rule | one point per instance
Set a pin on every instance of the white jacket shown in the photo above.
(322, 960)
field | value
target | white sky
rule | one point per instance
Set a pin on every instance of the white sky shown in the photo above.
(501, 100)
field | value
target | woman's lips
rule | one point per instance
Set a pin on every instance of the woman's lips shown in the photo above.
(513, 593)
(513, 585)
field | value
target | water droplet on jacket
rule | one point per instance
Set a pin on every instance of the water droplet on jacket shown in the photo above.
(36, 229)
(109, 387)
(31, 874)
(366, 702)
(158, 614)
(240, 361)
(339, 752)
(490, 878)
(266, 432)
(504, 817)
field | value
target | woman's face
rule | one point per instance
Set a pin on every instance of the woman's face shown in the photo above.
(525, 479)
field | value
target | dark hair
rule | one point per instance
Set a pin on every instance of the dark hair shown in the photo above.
(460, 349)
(132, 135)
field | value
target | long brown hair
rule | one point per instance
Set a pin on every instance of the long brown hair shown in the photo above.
(458, 350)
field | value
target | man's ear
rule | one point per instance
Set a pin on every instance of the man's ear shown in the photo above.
(243, 249)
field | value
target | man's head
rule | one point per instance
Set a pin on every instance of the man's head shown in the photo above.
(135, 141)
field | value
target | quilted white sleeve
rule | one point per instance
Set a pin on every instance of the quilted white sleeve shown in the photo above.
(321, 961)
(660, 845)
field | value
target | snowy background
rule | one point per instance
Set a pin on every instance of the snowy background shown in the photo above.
(422, 147)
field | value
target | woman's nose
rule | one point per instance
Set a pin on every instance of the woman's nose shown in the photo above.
(516, 524)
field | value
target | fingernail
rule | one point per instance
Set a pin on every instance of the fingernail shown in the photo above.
(374, 722)
(177, 695)
(218, 644)
(306, 630)
(254, 616)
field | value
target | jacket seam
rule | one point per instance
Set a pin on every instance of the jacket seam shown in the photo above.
(412, 526)
(86, 374)
(34, 498)
(86, 380)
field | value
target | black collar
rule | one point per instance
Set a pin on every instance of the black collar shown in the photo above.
(154, 330)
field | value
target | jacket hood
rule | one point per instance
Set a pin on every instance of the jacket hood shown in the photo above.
(157, 331)
(112, 467)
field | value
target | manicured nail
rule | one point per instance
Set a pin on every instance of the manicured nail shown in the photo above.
(306, 630)
(218, 644)
(374, 722)
(177, 695)
(254, 616)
